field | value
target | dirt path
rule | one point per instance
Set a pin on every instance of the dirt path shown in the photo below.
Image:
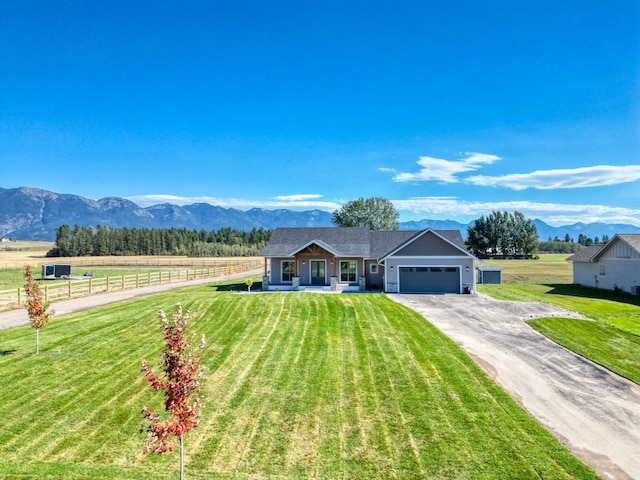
(592, 411)
(15, 318)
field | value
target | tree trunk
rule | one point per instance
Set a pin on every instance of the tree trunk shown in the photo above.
(37, 338)
(181, 457)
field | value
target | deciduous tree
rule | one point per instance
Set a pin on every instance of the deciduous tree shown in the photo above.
(503, 233)
(180, 362)
(377, 213)
(36, 305)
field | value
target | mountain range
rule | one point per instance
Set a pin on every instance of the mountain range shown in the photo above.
(34, 214)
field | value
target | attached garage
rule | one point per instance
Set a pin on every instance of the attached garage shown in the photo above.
(422, 279)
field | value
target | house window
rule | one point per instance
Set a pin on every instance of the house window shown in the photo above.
(348, 271)
(373, 268)
(287, 270)
(603, 270)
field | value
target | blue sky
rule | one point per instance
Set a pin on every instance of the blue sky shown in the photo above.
(449, 109)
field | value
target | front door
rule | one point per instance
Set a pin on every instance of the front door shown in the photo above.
(317, 272)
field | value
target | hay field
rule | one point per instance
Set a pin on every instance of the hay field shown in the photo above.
(22, 253)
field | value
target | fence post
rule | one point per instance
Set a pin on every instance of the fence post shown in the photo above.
(90, 286)
(123, 282)
(108, 283)
(19, 296)
(69, 286)
(148, 278)
(137, 280)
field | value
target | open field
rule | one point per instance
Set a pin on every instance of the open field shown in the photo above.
(17, 255)
(549, 268)
(299, 386)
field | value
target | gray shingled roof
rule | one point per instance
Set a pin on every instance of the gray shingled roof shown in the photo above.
(632, 239)
(347, 241)
(590, 253)
(585, 254)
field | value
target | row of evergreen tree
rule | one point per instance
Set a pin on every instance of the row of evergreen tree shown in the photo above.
(569, 245)
(101, 241)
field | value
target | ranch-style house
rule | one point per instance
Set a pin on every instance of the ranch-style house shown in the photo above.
(612, 266)
(358, 259)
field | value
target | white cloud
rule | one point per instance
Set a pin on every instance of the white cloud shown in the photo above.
(293, 202)
(551, 213)
(387, 169)
(298, 198)
(446, 171)
(596, 176)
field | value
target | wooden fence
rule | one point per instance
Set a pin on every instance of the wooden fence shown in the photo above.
(84, 286)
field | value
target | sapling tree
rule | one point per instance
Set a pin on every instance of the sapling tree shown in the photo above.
(180, 363)
(248, 282)
(36, 306)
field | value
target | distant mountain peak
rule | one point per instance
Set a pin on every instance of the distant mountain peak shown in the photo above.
(33, 214)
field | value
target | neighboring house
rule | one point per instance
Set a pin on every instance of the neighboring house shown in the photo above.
(612, 266)
(356, 258)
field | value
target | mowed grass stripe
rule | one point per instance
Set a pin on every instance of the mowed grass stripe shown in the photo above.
(84, 387)
(300, 386)
(375, 404)
(259, 392)
(398, 380)
(227, 381)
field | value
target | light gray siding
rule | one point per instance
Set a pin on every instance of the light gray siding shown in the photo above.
(428, 242)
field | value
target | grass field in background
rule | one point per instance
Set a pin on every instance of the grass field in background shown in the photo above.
(299, 386)
(548, 268)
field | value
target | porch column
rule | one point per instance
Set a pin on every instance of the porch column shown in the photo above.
(265, 277)
(333, 281)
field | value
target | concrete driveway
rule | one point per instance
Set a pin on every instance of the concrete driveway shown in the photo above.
(592, 411)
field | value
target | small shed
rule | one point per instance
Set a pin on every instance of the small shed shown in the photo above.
(55, 270)
(489, 274)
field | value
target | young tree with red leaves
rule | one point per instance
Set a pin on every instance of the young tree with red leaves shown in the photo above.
(180, 361)
(36, 305)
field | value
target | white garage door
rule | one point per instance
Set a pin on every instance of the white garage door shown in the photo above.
(430, 279)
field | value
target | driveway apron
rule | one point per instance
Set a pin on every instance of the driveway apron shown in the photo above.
(593, 412)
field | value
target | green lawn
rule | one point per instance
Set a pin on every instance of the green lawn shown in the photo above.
(299, 386)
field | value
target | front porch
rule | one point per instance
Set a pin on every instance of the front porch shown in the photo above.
(314, 269)
(313, 288)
